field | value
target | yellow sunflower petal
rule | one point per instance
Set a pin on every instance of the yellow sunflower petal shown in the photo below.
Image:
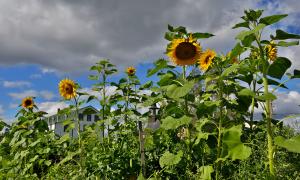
(130, 71)
(67, 88)
(27, 102)
(206, 59)
(184, 51)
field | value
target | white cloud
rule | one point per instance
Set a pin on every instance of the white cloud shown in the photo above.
(20, 95)
(48, 95)
(24, 94)
(287, 103)
(35, 76)
(14, 84)
(51, 107)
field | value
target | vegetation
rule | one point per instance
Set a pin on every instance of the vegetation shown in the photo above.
(204, 101)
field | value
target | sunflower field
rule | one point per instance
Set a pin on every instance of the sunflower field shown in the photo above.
(200, 123)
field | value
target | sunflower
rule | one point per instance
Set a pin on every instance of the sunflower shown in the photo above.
(184, 51)
(271, 51)
(206, 59)
(27, 103)
(67, 88)
(130, 71)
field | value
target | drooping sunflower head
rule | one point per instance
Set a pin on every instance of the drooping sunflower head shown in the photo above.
(130, 71)
(271, 51)
(233, 60)
(28, 103)
(184, 51)
(67, 88)
(206, 59)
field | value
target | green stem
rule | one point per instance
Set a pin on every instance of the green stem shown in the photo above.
(252, 104)
(220, 130)
(79, 136)
(269, 128)
(185, 98)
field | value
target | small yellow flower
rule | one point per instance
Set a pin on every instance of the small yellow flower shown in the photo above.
(67, 88)
(271, 51)
(184, 51)
(130, 71)
(206, 59)
(27, 103)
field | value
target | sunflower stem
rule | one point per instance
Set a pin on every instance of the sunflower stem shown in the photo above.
(79, 137)
(185, 97)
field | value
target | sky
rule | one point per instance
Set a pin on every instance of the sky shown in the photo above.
(44, 41)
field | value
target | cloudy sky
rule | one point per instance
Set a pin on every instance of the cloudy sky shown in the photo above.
(43, 41)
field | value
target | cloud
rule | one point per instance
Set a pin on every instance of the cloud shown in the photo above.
(72, 35)
(48, 95)
(16, 84)
(24, 94)
(35, 76)
(51, 107)
(287, 103)
(44, 94)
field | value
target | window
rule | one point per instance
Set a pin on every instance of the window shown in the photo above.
(89, 117)
(96, 118)
(65, 128)
(80, 116)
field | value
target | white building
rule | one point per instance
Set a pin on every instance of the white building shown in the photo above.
(87, 116)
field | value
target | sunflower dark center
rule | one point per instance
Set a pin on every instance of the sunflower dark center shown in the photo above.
(207, 59)
(28, 102)
(69, 89)
(185, 50)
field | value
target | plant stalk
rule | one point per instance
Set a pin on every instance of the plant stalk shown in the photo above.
(269, 128)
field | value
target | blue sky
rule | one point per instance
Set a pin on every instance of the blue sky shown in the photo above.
(45, 41)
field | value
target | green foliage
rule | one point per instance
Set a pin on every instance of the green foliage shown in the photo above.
(292, 144)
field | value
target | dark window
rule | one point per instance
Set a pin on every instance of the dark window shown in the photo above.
(96, 118)
(80, 117)
(89, 117)
(65, 128)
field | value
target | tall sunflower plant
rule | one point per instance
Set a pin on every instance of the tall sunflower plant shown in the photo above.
(269, 70)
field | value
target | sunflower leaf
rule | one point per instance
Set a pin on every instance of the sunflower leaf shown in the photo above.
(169, 159)
(296, 74)
(281, 35)
(173, 123)
(199, 35)
(232, 145)
(242, 24)
(286, 44)
(268, 20)
(292, 144)
(279, 67)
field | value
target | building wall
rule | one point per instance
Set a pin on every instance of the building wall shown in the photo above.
(55, 123)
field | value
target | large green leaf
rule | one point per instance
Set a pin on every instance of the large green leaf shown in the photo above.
(159, 64)
(292, 144)
(246, 92)
(281, 35)
(286, 44)
(243, 34)
(279, 67)
(205, 172)
(268, 20)
(242, 24)
(229, 70)
(232, 145)
(175, 92)
(169, 159)
(173, 123)
(296, 74)
(268, 96)
(202, 35)
(237, 50)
